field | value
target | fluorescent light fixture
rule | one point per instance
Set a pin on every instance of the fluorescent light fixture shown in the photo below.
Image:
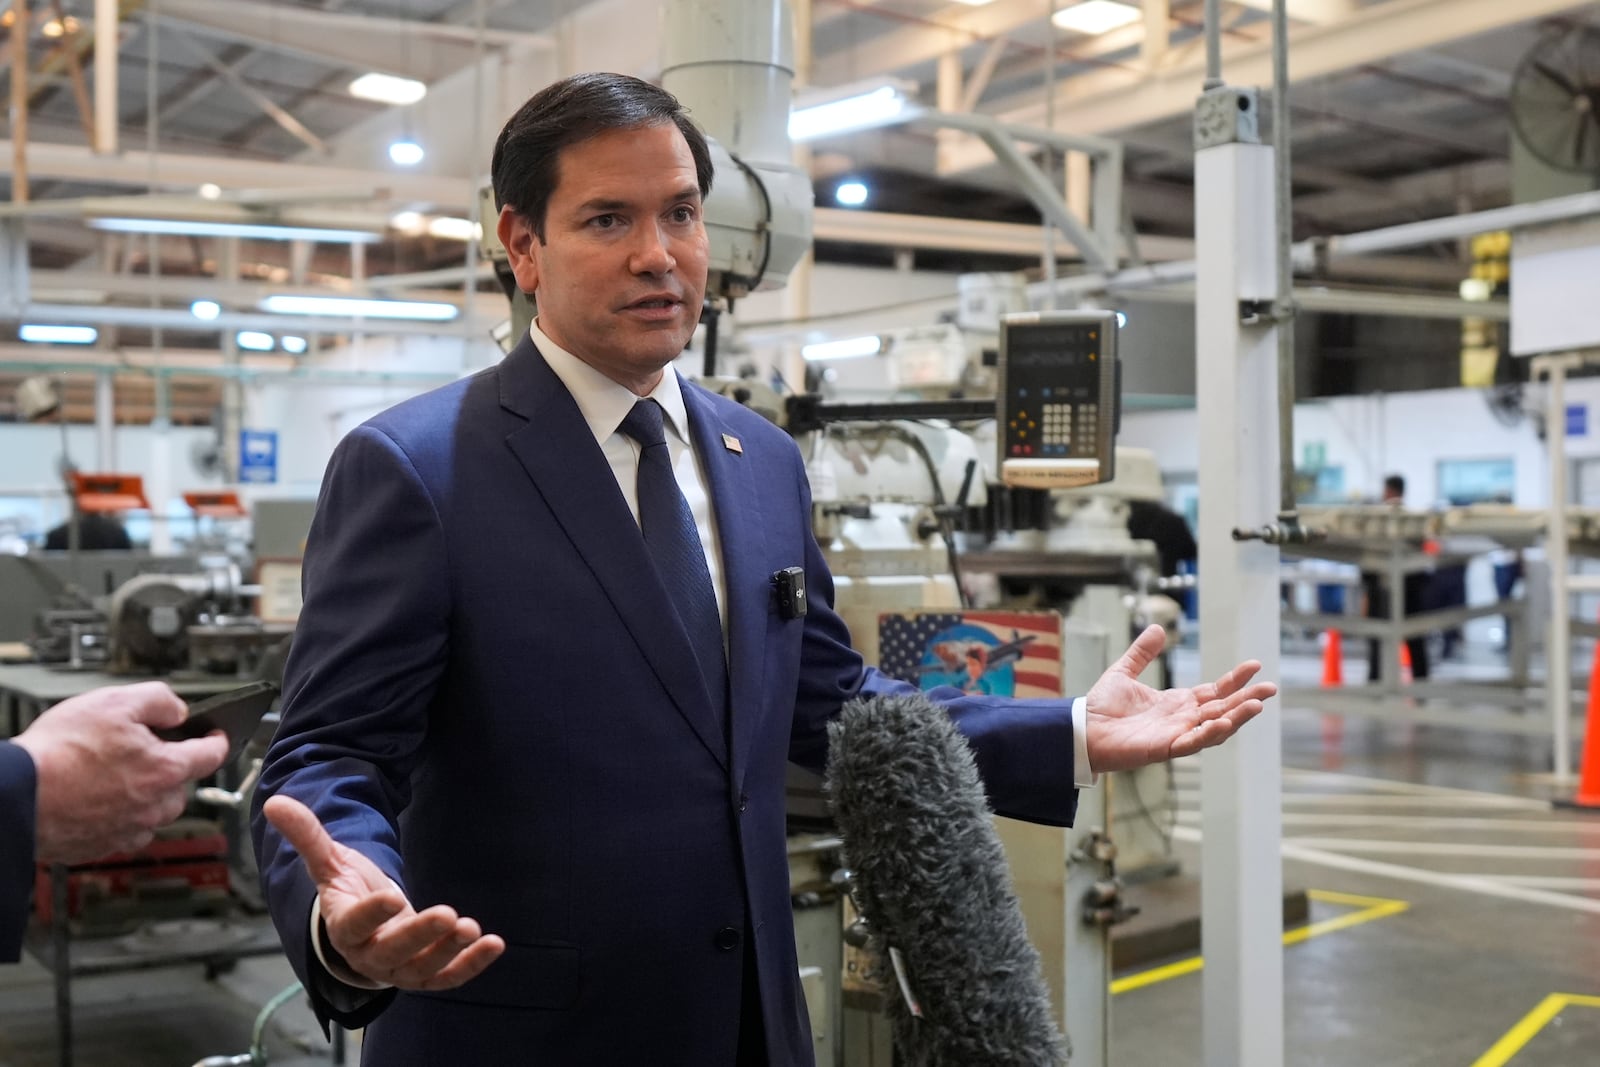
(406, 153)
(254, 340)
(388, 89)
(851, 194)
(1476, 289)
(205, 309)
(1122, 319)
(863, 108)
(253, 230)
(1095, 17)
(452, 228)
(39, 333)
(848, 348)
(293, 344)
(355, 307)
(411, 222)
(448, 227)
(211, 191)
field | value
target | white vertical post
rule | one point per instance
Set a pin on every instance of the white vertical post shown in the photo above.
(106, 50)
(1558, 645)
(1237, 401)
(105, 420)
(1095, 633)
(159, 481)
(233, 385)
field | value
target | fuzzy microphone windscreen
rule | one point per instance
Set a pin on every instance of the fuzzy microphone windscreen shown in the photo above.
(933, 883)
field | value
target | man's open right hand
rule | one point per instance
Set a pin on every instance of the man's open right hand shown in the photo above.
(369, 921)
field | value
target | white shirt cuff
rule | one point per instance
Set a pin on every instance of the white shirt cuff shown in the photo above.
(336, 971)
(1082, 775)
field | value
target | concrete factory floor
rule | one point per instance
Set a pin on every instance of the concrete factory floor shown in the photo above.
(1403, 966)
(1400, 966)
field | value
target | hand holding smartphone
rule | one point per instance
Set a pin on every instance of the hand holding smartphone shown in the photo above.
(236, 713)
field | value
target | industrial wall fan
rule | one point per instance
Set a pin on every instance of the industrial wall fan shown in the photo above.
(1555, 100)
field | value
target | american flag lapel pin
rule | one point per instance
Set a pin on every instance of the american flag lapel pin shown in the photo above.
(731, 443)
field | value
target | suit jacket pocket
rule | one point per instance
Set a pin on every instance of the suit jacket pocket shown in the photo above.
(528, 974)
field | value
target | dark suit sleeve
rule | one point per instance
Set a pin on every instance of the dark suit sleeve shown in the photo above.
(369, 649)
(1023, 748)
(18, 809)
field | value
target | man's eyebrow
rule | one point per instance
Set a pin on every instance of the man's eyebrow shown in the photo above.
(602, 205)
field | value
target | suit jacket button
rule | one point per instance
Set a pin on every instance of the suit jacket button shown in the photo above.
(727, 939)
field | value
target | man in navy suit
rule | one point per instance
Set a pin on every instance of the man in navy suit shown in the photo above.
(495, 708)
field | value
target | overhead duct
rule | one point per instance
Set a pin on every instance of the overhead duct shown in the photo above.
(733, 67)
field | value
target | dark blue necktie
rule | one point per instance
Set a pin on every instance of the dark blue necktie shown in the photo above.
(674, 544)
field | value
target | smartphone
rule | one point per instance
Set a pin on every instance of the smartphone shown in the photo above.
(237, 713)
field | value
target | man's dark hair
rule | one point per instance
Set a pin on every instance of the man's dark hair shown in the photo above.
(1394, 485)
(527, 154)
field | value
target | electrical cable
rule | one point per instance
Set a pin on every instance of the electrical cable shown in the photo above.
(766, 224)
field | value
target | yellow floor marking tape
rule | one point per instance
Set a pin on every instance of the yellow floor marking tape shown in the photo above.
(1368, 909)
(1536, 1020)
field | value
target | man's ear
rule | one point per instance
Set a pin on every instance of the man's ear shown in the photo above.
(517, 237)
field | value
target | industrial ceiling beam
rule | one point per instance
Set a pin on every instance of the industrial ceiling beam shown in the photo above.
(1426, 194)
(961, 235)
(297, 129)
(424, 50)
(955, 29)
(1495, 82)
(1386, 122)
(198, 84)
(186, 172)
(1317, 12)
(1109, 100)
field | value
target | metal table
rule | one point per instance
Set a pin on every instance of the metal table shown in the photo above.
(26, 691)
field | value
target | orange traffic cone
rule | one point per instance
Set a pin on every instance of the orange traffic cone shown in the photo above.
(1332, 660)
(1406, 676)
(1588, 795)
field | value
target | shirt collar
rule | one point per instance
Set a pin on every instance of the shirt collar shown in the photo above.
(603, 402)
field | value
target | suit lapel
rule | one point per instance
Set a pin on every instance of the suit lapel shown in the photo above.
(732, 485)
(557, 450)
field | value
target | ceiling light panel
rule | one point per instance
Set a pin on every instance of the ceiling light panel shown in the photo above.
(388, 89)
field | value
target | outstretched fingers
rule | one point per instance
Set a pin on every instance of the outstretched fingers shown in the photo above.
(468, 964)
(1228, 684)
(1215, 730)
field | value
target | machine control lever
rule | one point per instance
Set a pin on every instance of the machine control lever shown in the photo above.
(1104, 906)
(1288, 530)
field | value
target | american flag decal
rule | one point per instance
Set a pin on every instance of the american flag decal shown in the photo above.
(1004, 653)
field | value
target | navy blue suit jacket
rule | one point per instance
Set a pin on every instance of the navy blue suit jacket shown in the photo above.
(18, 800)
(490, 696)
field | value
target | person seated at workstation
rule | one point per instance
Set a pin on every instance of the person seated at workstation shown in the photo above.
(96, 533)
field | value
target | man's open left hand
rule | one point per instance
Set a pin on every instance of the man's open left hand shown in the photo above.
(1131, 725)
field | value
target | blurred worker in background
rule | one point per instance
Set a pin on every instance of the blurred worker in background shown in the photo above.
(1414, 593)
